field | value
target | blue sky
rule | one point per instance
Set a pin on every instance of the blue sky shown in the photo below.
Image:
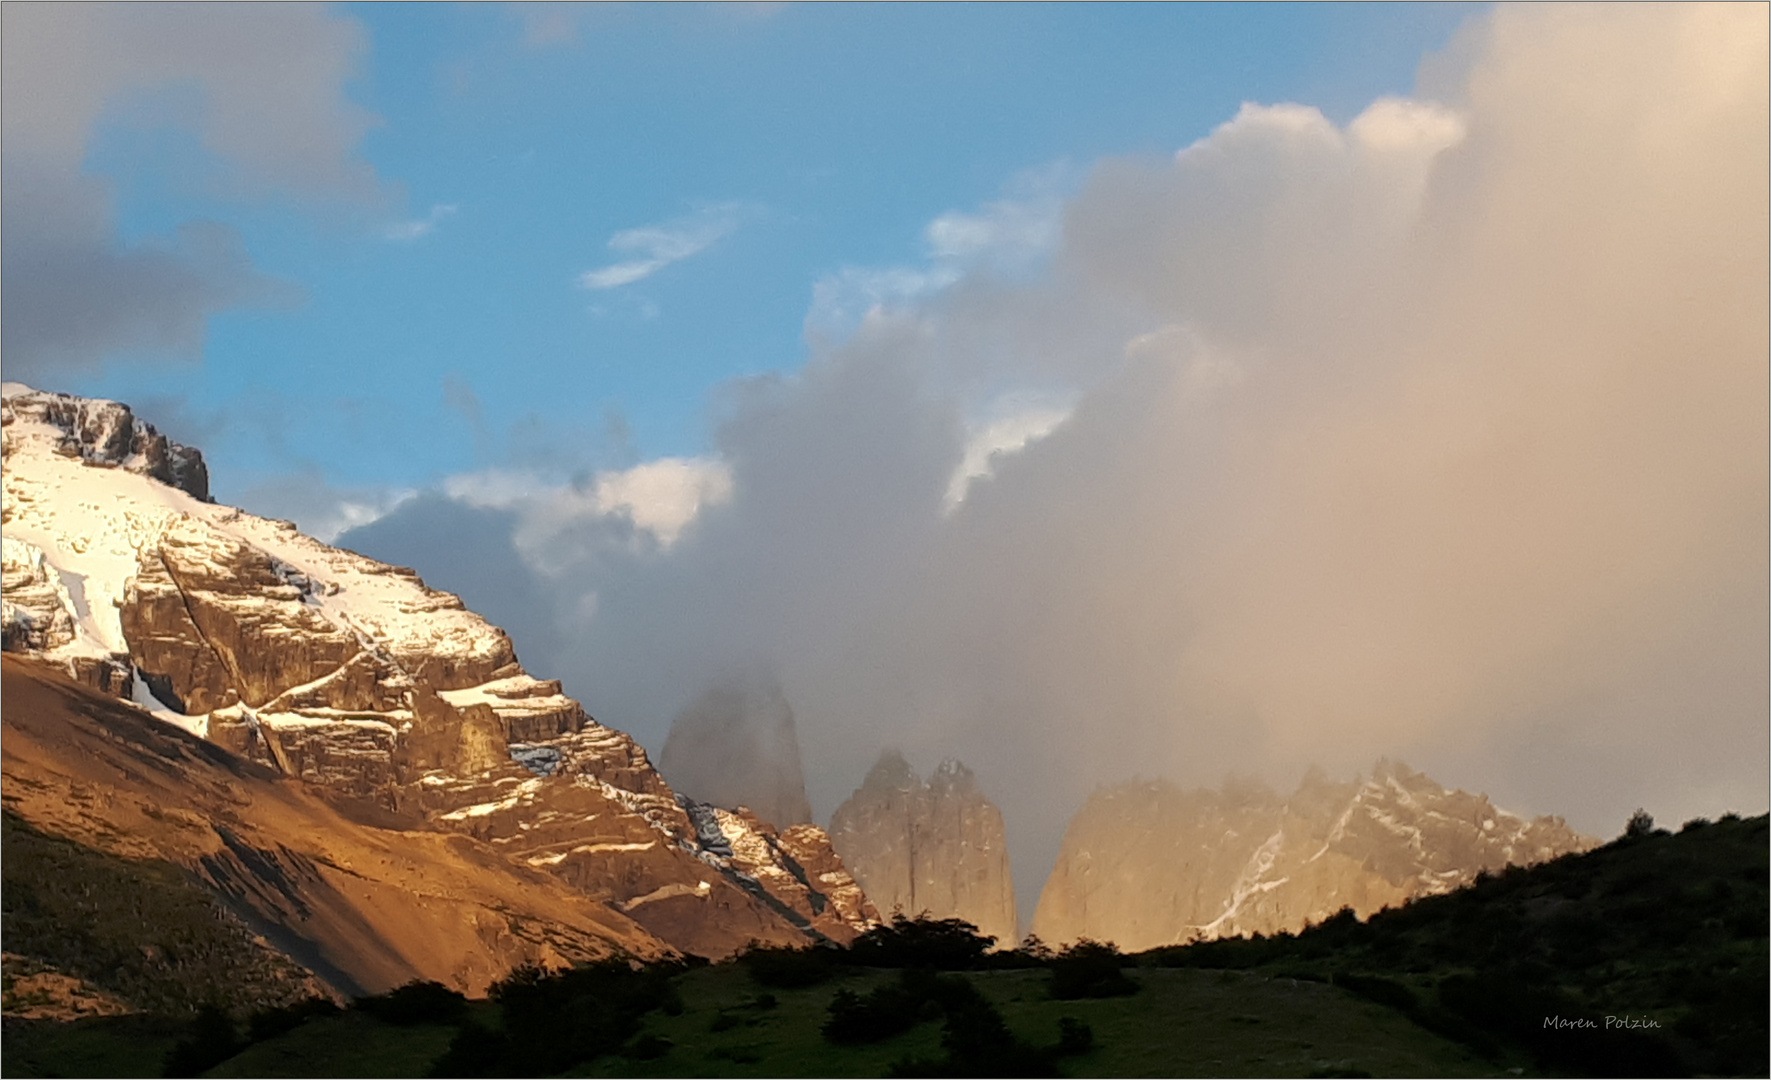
(512, 144)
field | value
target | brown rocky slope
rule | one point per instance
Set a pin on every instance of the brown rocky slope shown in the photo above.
(363, 906)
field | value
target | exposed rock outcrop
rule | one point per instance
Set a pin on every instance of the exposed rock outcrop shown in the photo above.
(108, 434)
(1146, 863)
(938, 847)
(737, 746)
(353, 676)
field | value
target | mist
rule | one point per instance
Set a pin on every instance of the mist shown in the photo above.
(1438, 434)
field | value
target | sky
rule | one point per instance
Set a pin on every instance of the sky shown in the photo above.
(1085, 391)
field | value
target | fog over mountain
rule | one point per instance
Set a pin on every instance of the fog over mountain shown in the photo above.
(1440, 433)
(737, 746)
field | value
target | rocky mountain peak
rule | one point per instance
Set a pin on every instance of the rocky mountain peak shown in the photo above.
(937, 846)
(102, 433)
(356, 678)
(889, 773)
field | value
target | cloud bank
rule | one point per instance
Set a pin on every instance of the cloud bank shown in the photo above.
(1440, 435)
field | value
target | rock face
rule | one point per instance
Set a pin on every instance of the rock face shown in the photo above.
(737, 746)
(1146, 864)
(937, 847)
(353, 676)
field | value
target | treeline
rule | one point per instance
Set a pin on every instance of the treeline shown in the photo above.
(538, 1022)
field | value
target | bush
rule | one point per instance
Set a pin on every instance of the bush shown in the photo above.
(883, 1013)
(977, 1040)
(209, 1041)
(788, 968)
(269, 1023)
(1074, 1037)
(417, 1002)
(922, 942)
(555, 1020)
(1089, 969)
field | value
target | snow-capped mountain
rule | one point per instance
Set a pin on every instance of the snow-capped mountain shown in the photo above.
(1145, 864)
(355, 677)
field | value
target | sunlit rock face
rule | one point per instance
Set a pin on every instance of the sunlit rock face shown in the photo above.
(737, 746)
(938, 846)
(355, 677)
(1145, 864)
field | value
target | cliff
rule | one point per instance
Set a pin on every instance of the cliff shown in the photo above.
(938, 846)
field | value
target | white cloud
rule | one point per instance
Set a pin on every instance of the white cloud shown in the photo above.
(664, 496)
(658, 499)
(660, 245)
(1011, 232)
(1015, 423)
(419, 227)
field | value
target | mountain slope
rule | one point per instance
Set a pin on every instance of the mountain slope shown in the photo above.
(352, 675)
(362, 907)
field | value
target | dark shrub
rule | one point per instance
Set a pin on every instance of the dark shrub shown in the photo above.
(554, 1021)
(209, 1041)
(269, 1023)
(922, 942)
(977, 1041)
(474, 1051)
(418, 1002)
(883, 1013)
(787, 968)
(1074, 1037)
(1089, 969)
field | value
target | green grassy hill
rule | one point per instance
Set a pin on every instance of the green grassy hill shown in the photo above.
(1667, 930)
(1658, 941)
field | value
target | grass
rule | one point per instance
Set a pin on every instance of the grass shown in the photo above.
(1181, 1023)
(98, 1046)
(349, 1044)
